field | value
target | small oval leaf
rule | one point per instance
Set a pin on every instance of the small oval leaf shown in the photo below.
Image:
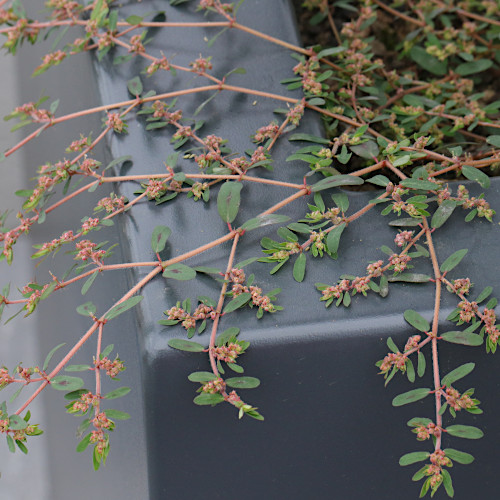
(243, 382)
(414, 457)
(416, 320)
(410, 396)
(465, 431)
(185, 345)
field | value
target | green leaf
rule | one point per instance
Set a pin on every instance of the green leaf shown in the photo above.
(473, 67)
(410, 396)
(344, 156)
(308, 138)
(206, 398)
(135, 86)
(465, 431)
(236, 368)
(453, 260)
(185, 345)
(82, 445)
(410, 371)
(340, 199)
(457, 374)
(421, 364)
(416, 320)
(202, 377)
(228, 200)
(50, 354)
(117, 414)
(494, 140)
(330, 52)
(367, 150)
(299, 227)
(459, 456)
(405, 222)
(414, 457)
(16, 423)
(299, 268)
(428, 62)
(107, 351)
(410, 278)
(243, 382)
(66, 383)
(333, 238)
(237, 302)
(159, 238)
(179, 272)
(11, 444)
(264, 220)
(484, 294)
(226, 336)
(443, 212)
(87, 309)
(379, 180)
(123, 306)
(88, 283)
(474, 174)
(464, 338)
(117, 393)
(392, 346)
(419, 184)
(22, 447)
(335, 181)
(447, 483)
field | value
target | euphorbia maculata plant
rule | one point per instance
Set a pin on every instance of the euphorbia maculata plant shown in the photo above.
(408, 124)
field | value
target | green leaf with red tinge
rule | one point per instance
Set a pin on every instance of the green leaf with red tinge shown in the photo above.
(179, 272)
(228, 200)
(464, 338)
(464, 431)
(159, 238)
(410, 396)
(66, 383)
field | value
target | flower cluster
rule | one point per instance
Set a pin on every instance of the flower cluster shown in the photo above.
(155, 189)
(266, 132)
(178, 314)
(87, 250)
(86, 401)
(424, 432)
(157, 64)
(214, 386)
(399, 262)
(263, 302)
(113, 368)
(115, 122)
(111, 203)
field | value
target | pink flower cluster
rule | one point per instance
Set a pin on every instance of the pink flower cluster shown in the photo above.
(189, 320)
(237, 276)
(87, 251)
(267, 132)
(113, 368)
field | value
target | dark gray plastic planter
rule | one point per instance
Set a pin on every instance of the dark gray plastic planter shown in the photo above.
(330, 429)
